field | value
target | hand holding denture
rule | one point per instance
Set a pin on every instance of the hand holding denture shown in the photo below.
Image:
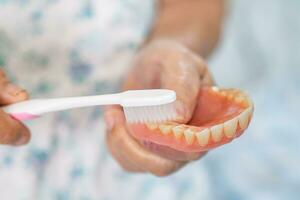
(206, 116)
(218, 115)
(139, 148)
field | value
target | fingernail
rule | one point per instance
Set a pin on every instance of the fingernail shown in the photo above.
(14, 90)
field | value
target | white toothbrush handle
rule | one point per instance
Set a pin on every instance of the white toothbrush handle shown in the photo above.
(136, 99)
(36, 107)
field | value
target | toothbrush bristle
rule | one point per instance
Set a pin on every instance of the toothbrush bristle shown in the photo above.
(150, 114)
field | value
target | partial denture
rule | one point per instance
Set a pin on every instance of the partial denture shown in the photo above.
(220, 116)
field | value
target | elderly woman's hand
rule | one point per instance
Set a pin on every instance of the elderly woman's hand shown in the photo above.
(12, 131)
(160, 64)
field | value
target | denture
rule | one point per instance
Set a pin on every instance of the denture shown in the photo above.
(220, 116)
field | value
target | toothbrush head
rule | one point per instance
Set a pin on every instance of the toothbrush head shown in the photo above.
(149, 106)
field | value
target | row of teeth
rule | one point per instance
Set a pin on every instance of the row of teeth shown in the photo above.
(216, 132)
(236, 95)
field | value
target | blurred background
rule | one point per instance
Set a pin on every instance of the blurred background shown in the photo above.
(259, 52)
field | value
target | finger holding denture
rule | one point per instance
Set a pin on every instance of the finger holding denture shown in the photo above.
(220, 116)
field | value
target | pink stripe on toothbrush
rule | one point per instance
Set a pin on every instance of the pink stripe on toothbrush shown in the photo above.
(23, 116)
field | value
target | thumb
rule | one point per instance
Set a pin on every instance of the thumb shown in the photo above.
(185, 76)
(113, 115)
(10, 93)
(184, 105)
(186, 84)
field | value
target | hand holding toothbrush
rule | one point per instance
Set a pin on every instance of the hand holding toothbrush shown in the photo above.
(162, 64)
(12, 132)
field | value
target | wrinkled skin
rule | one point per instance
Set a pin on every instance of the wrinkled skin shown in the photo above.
(12, 132)
(161, 64)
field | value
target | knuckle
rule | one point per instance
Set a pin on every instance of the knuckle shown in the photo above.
(207, 79)
(161, 173)
(23, 94)
(166, 168)
(125, 166)
(203, 73)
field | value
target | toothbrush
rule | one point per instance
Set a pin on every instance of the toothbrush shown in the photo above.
(139, 106)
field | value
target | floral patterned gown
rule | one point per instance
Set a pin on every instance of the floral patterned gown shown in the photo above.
(57, 48)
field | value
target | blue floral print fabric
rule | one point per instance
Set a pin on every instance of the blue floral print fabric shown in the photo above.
(57, 48)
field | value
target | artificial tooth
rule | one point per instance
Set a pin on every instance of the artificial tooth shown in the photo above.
(178, 131)
(189, 136)
(251, 113)
(249, 103)
(251, 109)
(203, 137)
(230, 97)
(243, 119)
(239, 98)
(151, 126)
(165, 129)
(217, 132)
(230, 127)
(215, 89)
(223, 93)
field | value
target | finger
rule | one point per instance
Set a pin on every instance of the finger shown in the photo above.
(185, 74)
(206, 79)
(129, 153)
(124, 162)
(183, 77)
(170, 153)
(114, 115)
(141, 159)
(10, 93)
(12, 131)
